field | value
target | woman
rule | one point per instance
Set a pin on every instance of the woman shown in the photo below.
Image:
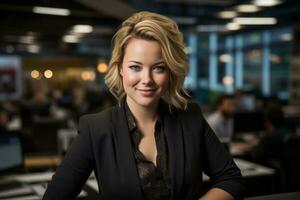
(153, 145)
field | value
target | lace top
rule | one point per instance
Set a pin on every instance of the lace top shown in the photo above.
(154, 180)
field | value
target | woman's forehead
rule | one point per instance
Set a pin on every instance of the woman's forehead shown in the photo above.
(142, 50)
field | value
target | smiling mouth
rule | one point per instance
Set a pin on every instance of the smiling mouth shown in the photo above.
(147, 92)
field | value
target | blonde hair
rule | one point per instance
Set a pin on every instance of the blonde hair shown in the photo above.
(153, 27)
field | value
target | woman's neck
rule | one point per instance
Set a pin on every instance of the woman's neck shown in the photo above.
(142, 114)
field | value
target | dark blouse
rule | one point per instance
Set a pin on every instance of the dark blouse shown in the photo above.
(103, 145)
(154, 179)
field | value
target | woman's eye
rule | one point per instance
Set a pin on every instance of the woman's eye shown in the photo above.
(135, 67)
(159, 69)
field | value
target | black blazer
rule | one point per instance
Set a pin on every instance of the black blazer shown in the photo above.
(103, 145)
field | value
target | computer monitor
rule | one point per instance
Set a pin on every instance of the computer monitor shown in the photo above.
(10, 77)
(248, 121)
(10, 152)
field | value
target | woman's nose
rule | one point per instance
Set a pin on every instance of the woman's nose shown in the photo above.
(147, 77)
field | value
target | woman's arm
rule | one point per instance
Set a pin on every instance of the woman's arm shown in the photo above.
(217, 194)
(225, 176)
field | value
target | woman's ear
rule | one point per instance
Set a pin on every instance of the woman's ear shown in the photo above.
(120, 70)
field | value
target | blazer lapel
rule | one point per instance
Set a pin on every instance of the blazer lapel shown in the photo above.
(129, 178)
(174, 137)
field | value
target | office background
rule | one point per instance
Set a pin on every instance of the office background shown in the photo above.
(54, 55)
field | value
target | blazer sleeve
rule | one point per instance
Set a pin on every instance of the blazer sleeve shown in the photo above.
(75, 169)
(219, 165)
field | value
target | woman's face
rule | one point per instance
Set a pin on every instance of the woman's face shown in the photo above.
(144, 73)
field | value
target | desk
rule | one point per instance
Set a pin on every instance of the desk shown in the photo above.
(41, 161)
(282, 196)
(33, 187)
(259, 179)
(250, 169)
(244, 143)
(36, 182)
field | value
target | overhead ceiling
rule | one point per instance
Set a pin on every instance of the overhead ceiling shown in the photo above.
(44, 33)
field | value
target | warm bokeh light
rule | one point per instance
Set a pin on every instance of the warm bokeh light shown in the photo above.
(35, 74)
(225, 58)
(48, 73)
(88, 75)
(228, 80)
(102, 67)
(275, 59)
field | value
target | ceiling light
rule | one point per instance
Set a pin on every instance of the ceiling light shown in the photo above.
(247, 8)
(70, 39)
(267, 3)
(82, 29)
(227, 14)
(35, 74)
(48, 73)
(233, 26)
(51, 11)
(255, 20)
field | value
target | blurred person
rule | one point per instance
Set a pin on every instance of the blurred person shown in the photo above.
(270, 148)
(36, 108)
(80, 103)
(56, 109)
(221, 121)
(238, 95)
(154, 144)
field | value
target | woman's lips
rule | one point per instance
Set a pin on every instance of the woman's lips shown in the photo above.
(147, 92)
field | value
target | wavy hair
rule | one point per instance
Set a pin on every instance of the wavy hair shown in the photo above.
(152, 27)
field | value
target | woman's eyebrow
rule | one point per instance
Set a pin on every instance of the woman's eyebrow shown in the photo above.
(135, 62)
(157, 63)
(160, 62)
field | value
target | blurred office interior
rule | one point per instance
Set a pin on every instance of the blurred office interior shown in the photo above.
(54, 55)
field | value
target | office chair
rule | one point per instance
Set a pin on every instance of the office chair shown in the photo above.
(292, 163)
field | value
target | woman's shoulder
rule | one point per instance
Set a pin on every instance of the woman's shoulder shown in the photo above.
(192, 112)
(192, 116)
(102, 117)
(192, 108)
